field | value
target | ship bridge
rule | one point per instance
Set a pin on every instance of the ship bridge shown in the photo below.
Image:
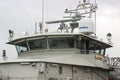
(61, 56)
(66, 41)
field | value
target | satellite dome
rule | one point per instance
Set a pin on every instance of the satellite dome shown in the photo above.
(76, 30)
(86, 26)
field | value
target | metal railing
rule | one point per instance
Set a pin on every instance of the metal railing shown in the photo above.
(23, 78)
(114, 62)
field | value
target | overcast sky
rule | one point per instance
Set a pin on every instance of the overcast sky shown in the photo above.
(21, 15)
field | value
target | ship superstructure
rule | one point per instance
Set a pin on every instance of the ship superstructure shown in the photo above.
(64, 55)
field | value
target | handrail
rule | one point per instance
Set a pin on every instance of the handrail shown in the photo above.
(23, 78)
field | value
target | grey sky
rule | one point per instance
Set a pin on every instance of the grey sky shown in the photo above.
(21, 15)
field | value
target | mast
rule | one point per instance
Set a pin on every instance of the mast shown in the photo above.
(42, 16)
(95, 17)
(35, 28)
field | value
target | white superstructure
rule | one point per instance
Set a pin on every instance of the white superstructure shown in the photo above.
(60, 56)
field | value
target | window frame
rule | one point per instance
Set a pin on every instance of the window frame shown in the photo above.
(56, 37)
(83, 42)
(16, 44)
(38, 38)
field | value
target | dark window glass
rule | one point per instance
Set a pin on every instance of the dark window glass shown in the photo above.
(87, 45)
(61, 43)
(97, 48)
(60, 70)
(81, 44)
(78, 44)
(37, 44)
(21, 47)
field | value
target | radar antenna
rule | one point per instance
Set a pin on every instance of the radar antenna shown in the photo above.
(84, 9)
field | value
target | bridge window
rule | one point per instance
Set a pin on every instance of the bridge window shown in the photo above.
(97, 47)
(37, 44)
(83, 45)
(61, 43)
(88, 45)
(21, 47)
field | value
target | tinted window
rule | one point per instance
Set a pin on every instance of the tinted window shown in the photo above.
(61, 43)
(37, 44)
(86, 45)
(81, 44)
